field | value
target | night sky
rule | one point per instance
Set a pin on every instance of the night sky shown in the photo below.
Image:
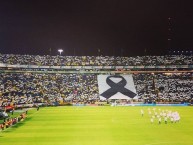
(92, 27)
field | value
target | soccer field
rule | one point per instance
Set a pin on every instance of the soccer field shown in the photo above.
(99, 126)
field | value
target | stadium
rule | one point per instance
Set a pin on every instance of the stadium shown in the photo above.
(96, 100)
(96, 72)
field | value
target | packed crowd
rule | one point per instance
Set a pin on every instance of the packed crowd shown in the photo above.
(165, 87)
(29, 88)
(37, 88)
(178, 87)
(95, 60)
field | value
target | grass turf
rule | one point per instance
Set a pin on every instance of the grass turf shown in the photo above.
(98, 126)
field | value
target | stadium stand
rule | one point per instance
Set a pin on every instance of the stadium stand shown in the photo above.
(95, 60)
(28, 86)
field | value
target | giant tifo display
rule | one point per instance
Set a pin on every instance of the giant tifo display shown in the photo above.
(60, 80)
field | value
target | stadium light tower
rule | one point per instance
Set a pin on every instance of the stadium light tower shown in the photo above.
(60, 51)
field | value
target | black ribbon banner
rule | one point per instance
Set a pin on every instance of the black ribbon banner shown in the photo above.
(117, 87)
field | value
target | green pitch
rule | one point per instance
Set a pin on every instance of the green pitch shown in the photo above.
(99, 126)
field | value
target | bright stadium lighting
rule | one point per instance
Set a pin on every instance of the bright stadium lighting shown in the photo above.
(60, 51)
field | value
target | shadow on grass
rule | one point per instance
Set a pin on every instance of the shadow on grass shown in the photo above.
(19, 124)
